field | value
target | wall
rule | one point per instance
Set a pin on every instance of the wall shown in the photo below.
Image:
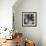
(43, 22)
(6, 13)
(33, 33)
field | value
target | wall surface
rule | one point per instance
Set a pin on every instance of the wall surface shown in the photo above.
(43, 22)
(33, 33)
(6, 13)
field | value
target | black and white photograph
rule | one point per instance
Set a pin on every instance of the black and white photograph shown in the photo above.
(29, 19)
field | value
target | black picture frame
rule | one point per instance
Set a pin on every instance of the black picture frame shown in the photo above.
(29, 19)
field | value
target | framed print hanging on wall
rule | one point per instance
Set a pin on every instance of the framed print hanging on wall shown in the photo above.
(29, 19)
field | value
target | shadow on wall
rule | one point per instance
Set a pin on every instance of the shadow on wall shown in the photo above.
(17, 4)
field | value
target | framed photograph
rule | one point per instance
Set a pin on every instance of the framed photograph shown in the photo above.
(29, 19)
